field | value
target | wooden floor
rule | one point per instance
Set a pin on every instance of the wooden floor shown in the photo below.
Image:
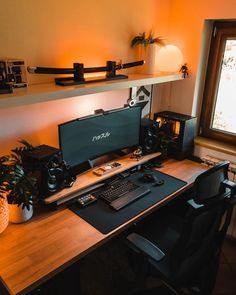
(226, 278)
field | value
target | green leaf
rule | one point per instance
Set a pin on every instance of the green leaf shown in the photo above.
(19, 184)
(142, 39)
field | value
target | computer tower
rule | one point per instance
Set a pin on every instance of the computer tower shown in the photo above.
(181, 129)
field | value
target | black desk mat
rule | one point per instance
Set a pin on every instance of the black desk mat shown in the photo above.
(105, 219)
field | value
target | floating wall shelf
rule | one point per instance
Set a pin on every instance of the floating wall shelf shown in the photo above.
(46, 92)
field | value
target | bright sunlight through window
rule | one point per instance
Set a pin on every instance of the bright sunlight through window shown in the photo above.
(224, 115)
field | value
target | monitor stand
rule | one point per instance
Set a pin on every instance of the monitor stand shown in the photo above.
(88, 180)
(109, 157)
(82, 168)
(90, 164)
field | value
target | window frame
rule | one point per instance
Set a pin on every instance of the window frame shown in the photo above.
(222, 30)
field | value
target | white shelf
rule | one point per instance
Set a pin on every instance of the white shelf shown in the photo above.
(47, 92)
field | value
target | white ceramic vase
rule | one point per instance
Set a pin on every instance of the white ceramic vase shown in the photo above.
(148, 54)
(4, 214)
(18, 215)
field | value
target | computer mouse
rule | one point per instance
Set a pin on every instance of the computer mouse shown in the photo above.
(159, 182)
(148, 177)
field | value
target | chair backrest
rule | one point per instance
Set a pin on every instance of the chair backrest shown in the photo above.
(208, 185)
(196, 253)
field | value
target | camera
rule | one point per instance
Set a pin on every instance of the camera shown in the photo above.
(13, 72)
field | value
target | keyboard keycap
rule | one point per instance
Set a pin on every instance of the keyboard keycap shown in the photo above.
(117, 190)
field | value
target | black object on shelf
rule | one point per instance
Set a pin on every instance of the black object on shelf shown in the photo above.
(78, 72)
(5, 88)
(181, 129)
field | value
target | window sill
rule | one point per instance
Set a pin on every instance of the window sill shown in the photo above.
(215, 145)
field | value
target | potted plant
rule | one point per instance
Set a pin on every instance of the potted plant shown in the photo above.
(18, 185)
(4, 212)
(147, 40)
(147, 49)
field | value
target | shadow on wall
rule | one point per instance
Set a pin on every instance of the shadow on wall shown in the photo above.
(37, 123)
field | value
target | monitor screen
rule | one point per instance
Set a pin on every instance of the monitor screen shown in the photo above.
(90, 137)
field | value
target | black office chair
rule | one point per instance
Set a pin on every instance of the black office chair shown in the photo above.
(185, 250)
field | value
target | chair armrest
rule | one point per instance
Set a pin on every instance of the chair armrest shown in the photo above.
(232, 186)
(194, 205)
(141, 244)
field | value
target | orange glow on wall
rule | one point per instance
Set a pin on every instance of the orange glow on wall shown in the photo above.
(37, 123)
(58, 33)
(169, 58)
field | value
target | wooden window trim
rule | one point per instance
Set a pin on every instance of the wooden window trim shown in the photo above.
(221, 31)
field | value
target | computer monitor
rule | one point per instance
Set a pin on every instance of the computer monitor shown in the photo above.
(89, 137)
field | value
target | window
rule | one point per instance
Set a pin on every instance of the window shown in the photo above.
(218, 119)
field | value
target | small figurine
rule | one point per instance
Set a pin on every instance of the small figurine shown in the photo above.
(184, 70)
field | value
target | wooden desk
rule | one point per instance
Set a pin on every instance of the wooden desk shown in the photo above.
(33, 252)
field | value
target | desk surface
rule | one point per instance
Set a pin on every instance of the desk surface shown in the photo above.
(33, 252)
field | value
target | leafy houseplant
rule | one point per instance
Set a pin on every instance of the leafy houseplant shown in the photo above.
(15, 182)
(4, 211)
(146, 50)
(146, 40)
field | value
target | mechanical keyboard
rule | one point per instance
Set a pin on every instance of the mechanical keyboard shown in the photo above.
(121, 192)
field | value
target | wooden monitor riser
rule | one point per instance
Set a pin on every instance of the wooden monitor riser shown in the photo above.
(88, 179)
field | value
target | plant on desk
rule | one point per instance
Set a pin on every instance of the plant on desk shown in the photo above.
(17, 185)
(4, 212)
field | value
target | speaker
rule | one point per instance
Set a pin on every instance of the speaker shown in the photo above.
(148, 136)
(46, 164)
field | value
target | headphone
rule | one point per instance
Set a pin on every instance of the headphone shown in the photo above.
(59, 174)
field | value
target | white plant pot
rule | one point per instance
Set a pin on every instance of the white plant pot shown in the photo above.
(4, 214)
(19, 215)
(148, 54)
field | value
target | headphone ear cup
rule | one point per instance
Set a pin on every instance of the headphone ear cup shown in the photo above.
(54, 179)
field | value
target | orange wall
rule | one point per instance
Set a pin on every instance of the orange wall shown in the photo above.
(186, 28)
(58, 33)
(37, 123)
